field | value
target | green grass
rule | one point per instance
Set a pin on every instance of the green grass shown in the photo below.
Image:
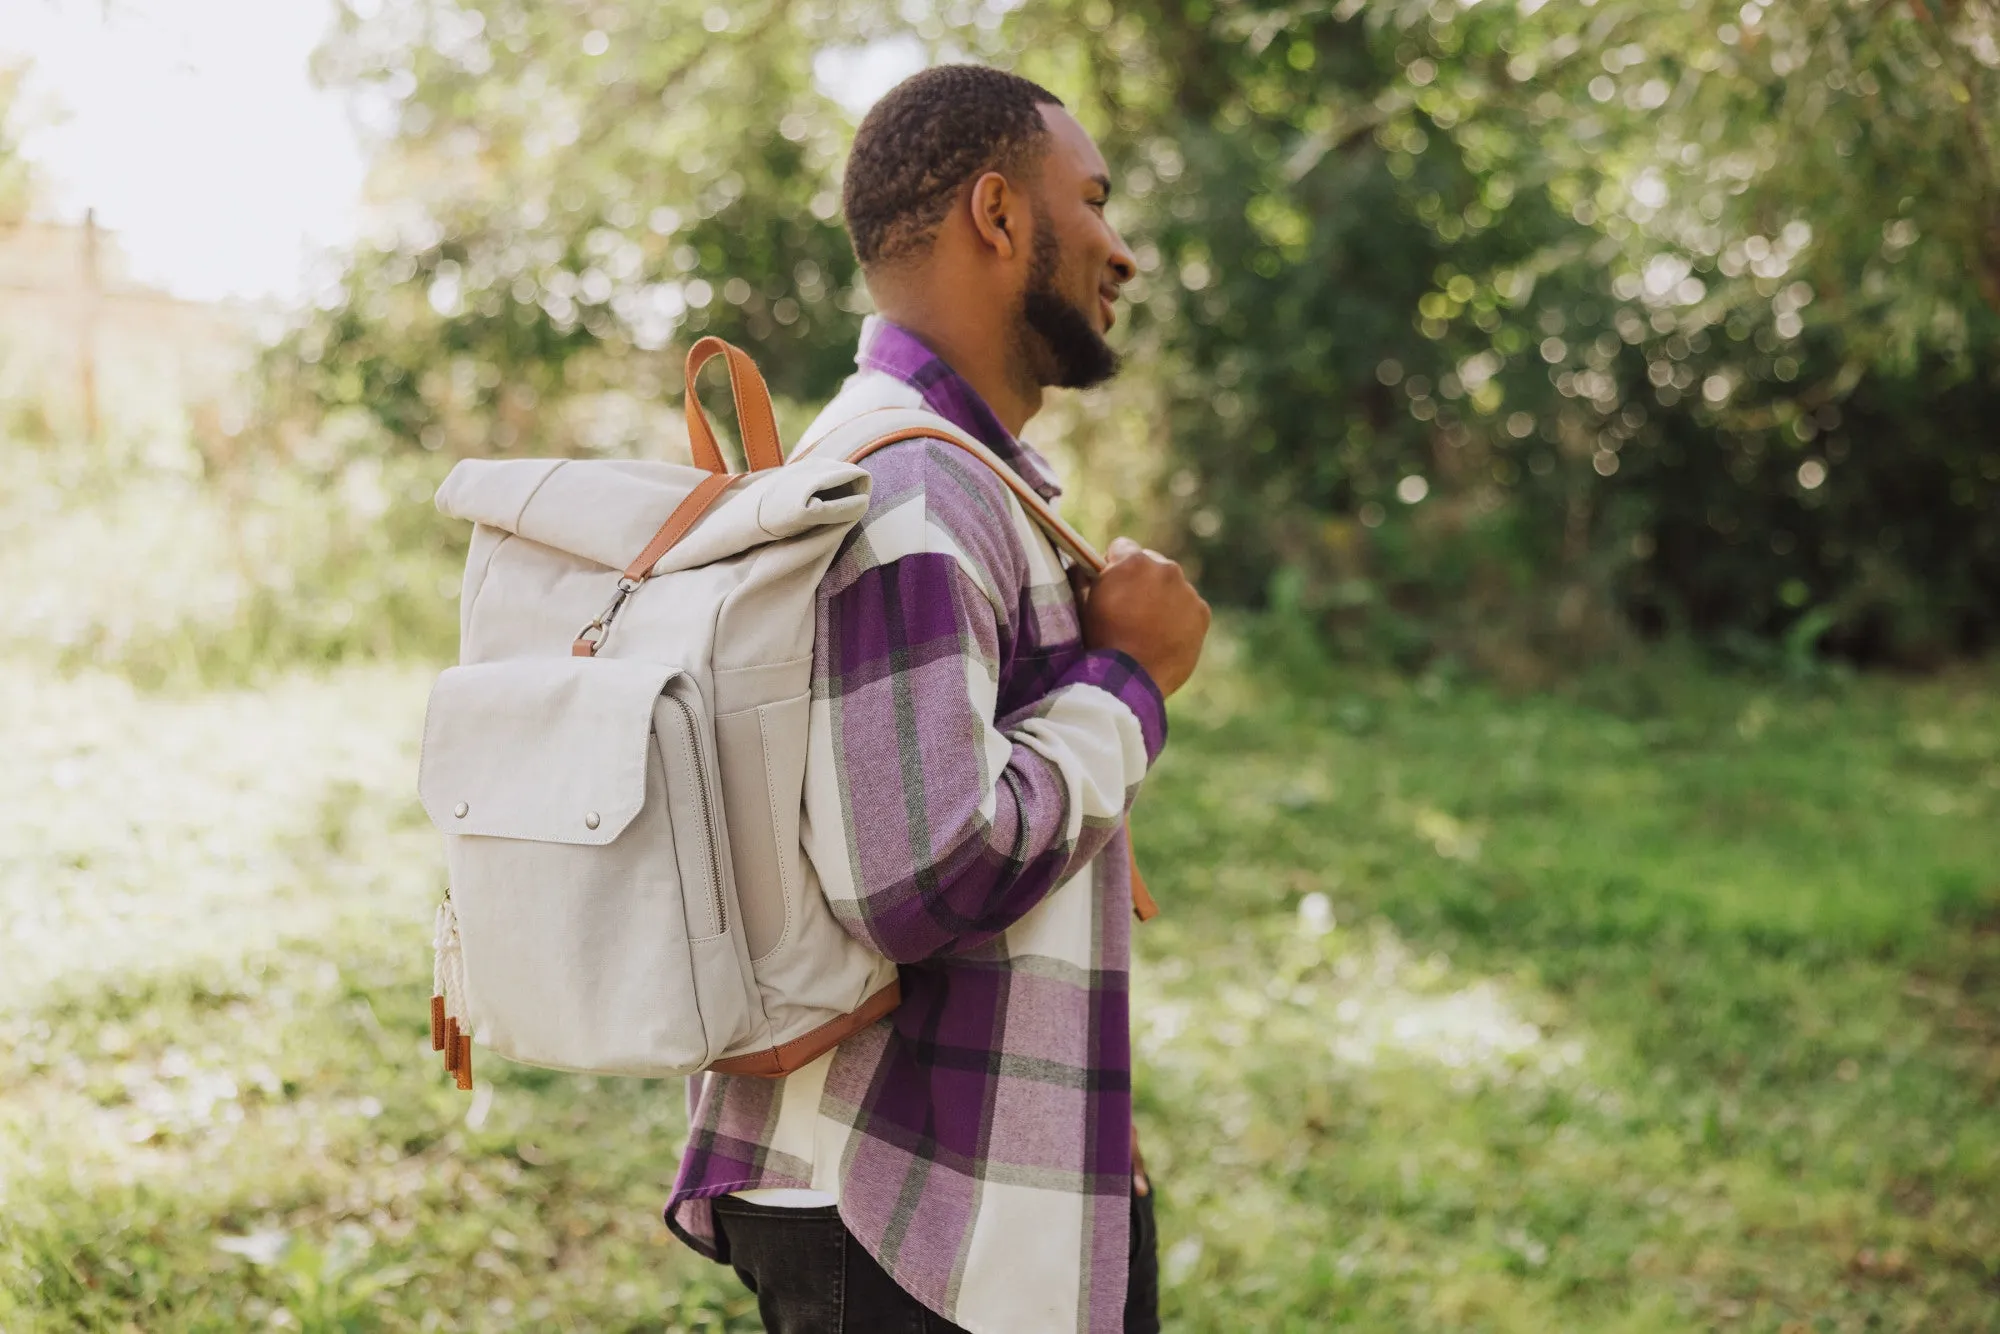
(1671, 1002)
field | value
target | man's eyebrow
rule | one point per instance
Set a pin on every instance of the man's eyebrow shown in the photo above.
(1103, 183)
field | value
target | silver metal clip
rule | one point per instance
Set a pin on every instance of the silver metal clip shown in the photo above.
(599, 628)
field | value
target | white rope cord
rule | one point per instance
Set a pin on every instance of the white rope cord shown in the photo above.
(437, 951)
(448, 963)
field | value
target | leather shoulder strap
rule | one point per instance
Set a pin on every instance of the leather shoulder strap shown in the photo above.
(883, 427)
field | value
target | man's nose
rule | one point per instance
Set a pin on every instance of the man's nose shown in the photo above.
(1122, 264)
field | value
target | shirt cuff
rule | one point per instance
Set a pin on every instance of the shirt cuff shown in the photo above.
(1120, 674)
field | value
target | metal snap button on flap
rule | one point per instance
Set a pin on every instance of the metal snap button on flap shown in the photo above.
(590, 820)
(460, 810)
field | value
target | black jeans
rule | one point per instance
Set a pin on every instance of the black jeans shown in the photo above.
(812, 1277)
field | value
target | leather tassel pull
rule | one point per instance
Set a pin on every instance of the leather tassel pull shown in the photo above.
(451, 1046)
(1143, 906)
(464, 1070)
(437, 1023)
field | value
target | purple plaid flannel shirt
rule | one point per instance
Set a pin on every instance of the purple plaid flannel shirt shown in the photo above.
(975, 764)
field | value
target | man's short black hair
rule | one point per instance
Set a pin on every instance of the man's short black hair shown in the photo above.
(931, 134)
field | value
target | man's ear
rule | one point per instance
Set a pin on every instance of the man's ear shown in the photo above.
(998, 217)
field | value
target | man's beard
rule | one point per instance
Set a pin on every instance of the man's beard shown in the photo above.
(1073, 355)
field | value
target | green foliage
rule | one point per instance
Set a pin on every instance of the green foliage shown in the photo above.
(576, 190)
(1680, 289)
(1500, 327)
(1667, 1003)
(231, 570)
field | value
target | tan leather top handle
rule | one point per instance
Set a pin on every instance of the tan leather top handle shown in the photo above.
(761, 450)
(753, 410)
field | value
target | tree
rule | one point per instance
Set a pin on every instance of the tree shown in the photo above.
(1473, 328)
(570, 193)
(1607, 287)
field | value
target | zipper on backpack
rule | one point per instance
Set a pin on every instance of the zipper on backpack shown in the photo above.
(707, 809)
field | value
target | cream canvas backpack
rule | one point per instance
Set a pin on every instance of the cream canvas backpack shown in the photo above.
(620, 803)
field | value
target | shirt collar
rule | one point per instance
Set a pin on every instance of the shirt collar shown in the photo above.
(891, 349)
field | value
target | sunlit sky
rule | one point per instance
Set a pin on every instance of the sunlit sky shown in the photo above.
(194, 129)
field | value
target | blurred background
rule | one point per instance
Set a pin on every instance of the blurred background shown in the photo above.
(1579, 850)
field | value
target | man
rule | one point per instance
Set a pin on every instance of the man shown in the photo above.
(977, 737)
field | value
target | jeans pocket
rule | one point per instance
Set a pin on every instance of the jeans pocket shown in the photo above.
(792, 1260)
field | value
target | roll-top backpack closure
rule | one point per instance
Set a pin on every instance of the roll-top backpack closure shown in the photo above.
(606, 511)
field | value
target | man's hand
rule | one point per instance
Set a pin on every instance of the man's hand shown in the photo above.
(1144, 605)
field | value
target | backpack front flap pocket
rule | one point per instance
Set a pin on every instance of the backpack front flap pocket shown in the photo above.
(579, 810)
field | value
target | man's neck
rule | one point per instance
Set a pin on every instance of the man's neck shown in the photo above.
(978, 353)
